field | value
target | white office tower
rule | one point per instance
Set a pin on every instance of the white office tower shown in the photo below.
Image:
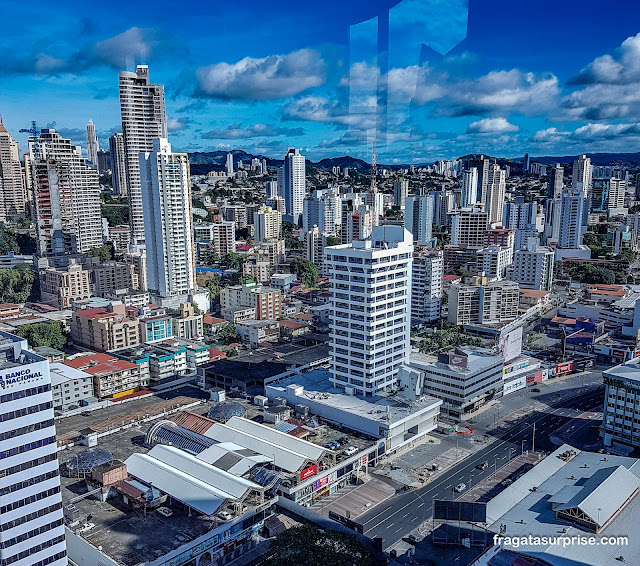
(66, 196)
(494, 196)
(118, 165)
(468, 227)
(418, 218)
(493, 261)
(574, 208)
(13, 193)
(519, 214)
(271, 189)
(426, 286)
(607, 195)
(292, 183)
(400, 192)
(264, 166)
(533, 267)
(371, 317)
(31, 519)
(267, 224)
(357, 219)
(92, 143)
(322, 209)
(166, 204)
(143, 120)
(229, 164)
(556, 181)
(582, 174)
(469, 187)
(315, 242)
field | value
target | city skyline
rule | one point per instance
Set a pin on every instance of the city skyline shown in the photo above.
(449, 90)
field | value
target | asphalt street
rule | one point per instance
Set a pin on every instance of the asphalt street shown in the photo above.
(397, 517)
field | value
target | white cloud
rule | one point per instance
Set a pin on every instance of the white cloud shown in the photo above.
(176, 124)
(491, 126)
(276, 76)
(622, 68)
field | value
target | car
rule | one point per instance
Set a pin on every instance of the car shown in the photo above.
(460, 487)
(435, 467)
(536, 390)
(225, 516)
(413, 539)
(165, 511)
(350, 451)
(482, 466)
(86, 527)
(506, 482)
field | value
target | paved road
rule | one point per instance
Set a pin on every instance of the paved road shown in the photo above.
(396, 518)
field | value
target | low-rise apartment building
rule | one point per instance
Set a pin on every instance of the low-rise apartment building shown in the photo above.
(106, 328)
(266, 301)
(112, 377)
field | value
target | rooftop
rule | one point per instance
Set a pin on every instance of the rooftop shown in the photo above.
(629, 370)
(61, 373)
(99, 364)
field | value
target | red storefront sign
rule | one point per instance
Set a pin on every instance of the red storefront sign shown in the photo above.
(564, 368)
(308, 472)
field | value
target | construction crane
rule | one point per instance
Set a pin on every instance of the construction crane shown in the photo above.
(34, 132)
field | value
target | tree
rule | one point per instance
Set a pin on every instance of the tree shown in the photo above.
(306, 270)
(43, 334)
(116, 214)
(587, 273)
(310, 546)
(333, 241)
(8, 242)
(291, 242)
(234, 260)
(103, 252)
(213, 285)
(18, 284)
(445, 340)
(228, 332)
(209, 256)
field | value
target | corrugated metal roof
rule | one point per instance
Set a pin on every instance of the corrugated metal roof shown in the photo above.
(268, 442)
(193, 492)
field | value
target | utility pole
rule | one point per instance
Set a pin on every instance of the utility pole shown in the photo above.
(533, 441)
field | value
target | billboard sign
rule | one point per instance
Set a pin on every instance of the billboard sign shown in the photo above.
(460, 511)
(565, 367)
(510, 345)
(308, 472)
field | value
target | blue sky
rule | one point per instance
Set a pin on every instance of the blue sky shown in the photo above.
(493, 76)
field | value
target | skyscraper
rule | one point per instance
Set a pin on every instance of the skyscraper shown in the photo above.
(359, 361)
(582, 174)
(525, 164)
(229, 165)
(426, 286)
(292, 183)
(267, 224)
(13, 194)
(322, 209)
(468, 227)
(118, 164)
(400, 192)
(481, 163)
(574, 209)
(271, 189)
(32, 525)
(357, 219)
(469, 187)
(556, 181)
(418, 218)
(494, 195)
(166, 205)
(532, 267)
(519, 215)
(143, 120)
(92, 143)
(66, 196)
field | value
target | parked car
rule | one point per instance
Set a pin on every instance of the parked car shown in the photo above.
(506, 482)
(225, 516)
(536, 390)
(460, 487)
(350, 451)
(413, 539)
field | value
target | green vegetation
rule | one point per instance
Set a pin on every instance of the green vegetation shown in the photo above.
(43, 334)
(233, 260)
(333, 241)
(445, 340)
(18, 284)
(116, 214)
(209, 257)
(310, 546)
(195, 203)
(306, 270)
(228, 332)
(587, 273)
(291, 242)
(213, 285)
(8, 242)
(103, 252)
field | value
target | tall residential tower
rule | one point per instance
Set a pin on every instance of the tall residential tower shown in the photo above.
(13, 194)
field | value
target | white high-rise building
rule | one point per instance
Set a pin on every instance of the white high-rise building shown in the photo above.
(370, 323)
(13, 193)
(490, 303)
(519, 215)
(426, 286)
(469, 187)
(143, 120)
(496, 188)
(574, 208)
(66, 196)
(271, 189)
(166, 200)
(292, 183)
(229, 165)
(92, 143)
(418, 218)
(533, 267)
(31, 519)
(582, 174)
(118, 164)
(494, 260)
(315, 244)
(268, 224)
(322, 209)
(400, 192)
(468, 227)
(357, 219)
